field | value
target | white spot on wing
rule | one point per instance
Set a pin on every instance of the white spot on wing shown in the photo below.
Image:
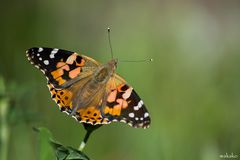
(75, 117)
(140, 103)
(127, 93)
(40, 49)
(43, 71)
(130, 124)
(54, 51)
(122, 120)
(46, 62)
(135, 108)
(131, 115)
(65, 112)
(146, 115)
(140, 124)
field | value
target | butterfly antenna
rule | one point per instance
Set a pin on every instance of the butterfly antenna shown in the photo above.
(109, 41)
(143, 60)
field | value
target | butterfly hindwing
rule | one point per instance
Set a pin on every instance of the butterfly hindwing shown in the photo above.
(64, 99)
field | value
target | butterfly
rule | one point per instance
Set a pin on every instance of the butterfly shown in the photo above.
(90, 92)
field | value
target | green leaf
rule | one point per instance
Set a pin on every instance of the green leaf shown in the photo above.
(45, 150)
(47, 144)
(67, 153)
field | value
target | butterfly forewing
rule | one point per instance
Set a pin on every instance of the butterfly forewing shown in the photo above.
(60, 66)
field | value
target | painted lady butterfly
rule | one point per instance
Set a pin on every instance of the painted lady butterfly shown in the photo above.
(87, 90)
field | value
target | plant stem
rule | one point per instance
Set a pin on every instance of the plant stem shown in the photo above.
(83, 143)
(4, 129)
(89, 128)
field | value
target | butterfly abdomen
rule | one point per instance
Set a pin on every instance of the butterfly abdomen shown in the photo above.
(88, 95)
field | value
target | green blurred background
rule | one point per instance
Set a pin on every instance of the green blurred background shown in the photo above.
(191, 89)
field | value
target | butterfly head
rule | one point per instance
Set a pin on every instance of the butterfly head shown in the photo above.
(113, 64)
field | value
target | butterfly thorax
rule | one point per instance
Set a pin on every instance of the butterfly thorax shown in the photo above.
(104, 72)
(94, 88)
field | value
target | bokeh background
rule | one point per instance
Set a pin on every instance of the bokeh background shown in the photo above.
(191, 89)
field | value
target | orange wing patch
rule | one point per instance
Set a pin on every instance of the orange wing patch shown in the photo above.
(117, 103)
(91, 114)
(60, 71)
(112, 96)
(115, 111)
(61, 97)
(117, 98)
(69, 69)
(73, 58)
(75, 72)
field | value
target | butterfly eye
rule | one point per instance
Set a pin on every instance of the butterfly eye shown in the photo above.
(116, 62)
